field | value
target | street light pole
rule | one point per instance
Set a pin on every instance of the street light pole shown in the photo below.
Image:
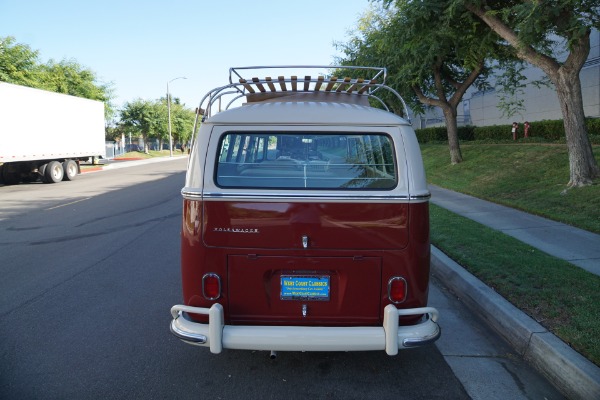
(169, 114)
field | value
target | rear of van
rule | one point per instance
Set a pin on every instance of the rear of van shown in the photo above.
(305, 228)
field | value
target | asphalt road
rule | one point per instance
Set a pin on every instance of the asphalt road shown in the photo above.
(90, 268)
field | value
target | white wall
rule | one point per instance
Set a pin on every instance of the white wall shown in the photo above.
(539, 103)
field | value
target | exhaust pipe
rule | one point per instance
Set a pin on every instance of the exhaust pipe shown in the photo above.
(273, 355)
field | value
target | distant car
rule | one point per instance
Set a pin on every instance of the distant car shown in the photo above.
(132, 147)
(305, 223)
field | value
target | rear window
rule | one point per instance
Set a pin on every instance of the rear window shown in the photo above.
(306, 161)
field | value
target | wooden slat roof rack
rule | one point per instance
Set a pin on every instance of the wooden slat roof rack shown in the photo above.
(319, 85)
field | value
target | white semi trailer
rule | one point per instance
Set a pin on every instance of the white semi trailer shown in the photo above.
(44, 135)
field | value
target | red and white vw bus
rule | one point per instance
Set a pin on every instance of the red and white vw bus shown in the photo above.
(305, 219)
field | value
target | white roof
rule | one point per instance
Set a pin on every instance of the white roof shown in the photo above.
(306, 113)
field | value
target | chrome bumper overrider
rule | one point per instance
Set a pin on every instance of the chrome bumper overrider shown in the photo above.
(389, 337)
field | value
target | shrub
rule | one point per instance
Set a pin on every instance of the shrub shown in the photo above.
(440, 134)
(539, 131)
(428, 135)
(493, 132)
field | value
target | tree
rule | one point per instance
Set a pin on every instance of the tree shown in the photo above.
(182, 122)
(433, 55)
(115, 131)
(69, 77)
(535, 29)
(142, 118)
(18, 62)
(149, 120)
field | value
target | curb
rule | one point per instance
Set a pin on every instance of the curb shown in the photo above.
(130, 162)
(91, 169)
(574, 375)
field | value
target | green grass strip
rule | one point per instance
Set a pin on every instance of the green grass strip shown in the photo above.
(150, 154)
(529, 177)
(563, 298)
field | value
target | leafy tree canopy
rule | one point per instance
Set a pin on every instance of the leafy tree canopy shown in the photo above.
(149, 119)
(20, 65)
(433, 54)
(18, 62)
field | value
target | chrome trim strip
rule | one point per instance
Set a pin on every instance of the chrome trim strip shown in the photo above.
(421, 196)
(196, 194)
(299, 196)
(211, 275)
(397, 278)
(191, 194)
(186, 336)
(416, 342)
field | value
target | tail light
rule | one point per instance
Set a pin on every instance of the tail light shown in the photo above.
(397, 289)
(211, 286)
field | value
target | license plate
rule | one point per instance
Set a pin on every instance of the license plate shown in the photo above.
(304, 287)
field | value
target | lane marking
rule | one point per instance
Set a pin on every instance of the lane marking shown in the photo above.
(68, 204)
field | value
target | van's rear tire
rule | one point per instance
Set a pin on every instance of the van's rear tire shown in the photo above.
(70, 169)
(54, 172)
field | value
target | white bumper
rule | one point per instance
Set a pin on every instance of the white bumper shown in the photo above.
(389, 337)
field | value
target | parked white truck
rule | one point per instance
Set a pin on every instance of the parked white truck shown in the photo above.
(44, 135)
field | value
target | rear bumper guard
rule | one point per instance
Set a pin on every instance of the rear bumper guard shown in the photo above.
(389, 337)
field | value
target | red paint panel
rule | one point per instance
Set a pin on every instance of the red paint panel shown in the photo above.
(327, 225)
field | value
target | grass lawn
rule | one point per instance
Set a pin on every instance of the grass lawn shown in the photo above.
(530, 177)
(560, 296)
(563, 298)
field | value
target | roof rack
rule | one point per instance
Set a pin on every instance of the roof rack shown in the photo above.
(319, 87)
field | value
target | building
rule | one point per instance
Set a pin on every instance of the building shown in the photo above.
(481, 108)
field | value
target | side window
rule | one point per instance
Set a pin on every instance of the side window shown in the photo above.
(283, 160)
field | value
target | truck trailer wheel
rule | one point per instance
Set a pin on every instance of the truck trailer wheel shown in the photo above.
(54, 172)
(70, 169)
(42, 172)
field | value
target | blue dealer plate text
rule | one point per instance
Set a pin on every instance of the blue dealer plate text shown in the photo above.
(304, 287)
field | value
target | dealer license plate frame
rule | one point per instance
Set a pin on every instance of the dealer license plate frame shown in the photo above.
(305, 287)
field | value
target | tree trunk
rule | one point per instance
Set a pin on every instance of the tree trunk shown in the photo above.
(565, 77)
(582, 164)
(145, 138)
(452, 129)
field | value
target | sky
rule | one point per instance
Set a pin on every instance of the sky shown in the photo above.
(139, 46)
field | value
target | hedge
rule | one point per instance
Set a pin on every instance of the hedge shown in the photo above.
(546, 130)
(439, 134)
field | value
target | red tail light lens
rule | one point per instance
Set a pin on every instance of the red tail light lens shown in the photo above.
(211, 286)
(397, 289)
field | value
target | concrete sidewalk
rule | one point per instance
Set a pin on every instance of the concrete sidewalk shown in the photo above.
(563, 241)
(573, 374)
